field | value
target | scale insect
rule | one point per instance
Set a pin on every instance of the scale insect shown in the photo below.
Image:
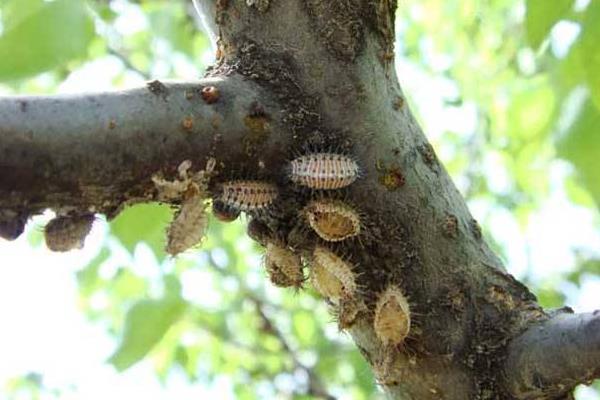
(247, 195)
(392, 317)
(283, 266)
(348, 311)
(189, 224)
(66, 233)
(224, 213)
(331, 275)
(324, 171)
(332, 220)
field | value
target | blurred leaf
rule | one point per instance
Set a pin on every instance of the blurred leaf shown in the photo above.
(548, 296)
(587, 267)
(105, 12)
(531, 109)
(146, 323)
(590, 49)
(570, 70)
(127, 285)
(42, 36)
(581, 146)
(213, 322)
(244, 392)
(164, 357)
(172, 286)
(182, 358)
(540, 17)
(35, 236)
(578, 194)
(88, 276)
(170, 22)
(363, 372)
(304, 327)
(143, 222)
(14, 12)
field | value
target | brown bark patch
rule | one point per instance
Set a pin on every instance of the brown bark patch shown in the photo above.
(340, 25)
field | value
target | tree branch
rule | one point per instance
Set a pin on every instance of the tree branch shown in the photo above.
(95, 151)
(336, 90)
(550, 359)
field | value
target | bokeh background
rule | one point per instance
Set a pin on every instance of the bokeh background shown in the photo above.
(508, 92)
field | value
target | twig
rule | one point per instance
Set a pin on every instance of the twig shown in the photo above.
(315, 386)
(127, 63)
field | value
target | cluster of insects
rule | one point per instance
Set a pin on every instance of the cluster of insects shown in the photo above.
(333, 220)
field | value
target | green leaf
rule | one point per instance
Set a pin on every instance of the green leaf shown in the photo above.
(590, 50)
(531, 109)
(585, 267)
(304, 327)
(16, 11)
(127, 285)
(581, 146)
(87, 278)
(146, 324)
(548, 296)
(143, 222)
(35, 236)
(364, 378)
(170, 22)
(570, 71)
(39, 36)
(540, 17)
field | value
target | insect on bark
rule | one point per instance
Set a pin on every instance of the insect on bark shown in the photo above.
(324, 171)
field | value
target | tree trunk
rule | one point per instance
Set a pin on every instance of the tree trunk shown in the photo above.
(308, 76)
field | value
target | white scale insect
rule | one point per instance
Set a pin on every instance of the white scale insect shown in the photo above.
(324, 171)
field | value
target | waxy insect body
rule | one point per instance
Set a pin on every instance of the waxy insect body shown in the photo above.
(324, 171)
(392, 316)
(332, 220)
(249, 196)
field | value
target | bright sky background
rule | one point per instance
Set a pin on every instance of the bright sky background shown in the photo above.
(44, 331)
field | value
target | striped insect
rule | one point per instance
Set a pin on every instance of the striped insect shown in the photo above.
(247, 195)
(324, 171)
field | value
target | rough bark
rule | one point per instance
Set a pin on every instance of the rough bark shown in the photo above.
(98, 152)
(319, 76)
(550, 358)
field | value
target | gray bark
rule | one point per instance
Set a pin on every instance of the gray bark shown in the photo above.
(98, 151)
(321, 73)
(550, 358)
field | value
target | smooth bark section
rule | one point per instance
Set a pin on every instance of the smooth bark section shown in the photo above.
(549, 359)
(93, 151)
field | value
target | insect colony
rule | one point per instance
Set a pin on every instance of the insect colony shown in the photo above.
(333, 221)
